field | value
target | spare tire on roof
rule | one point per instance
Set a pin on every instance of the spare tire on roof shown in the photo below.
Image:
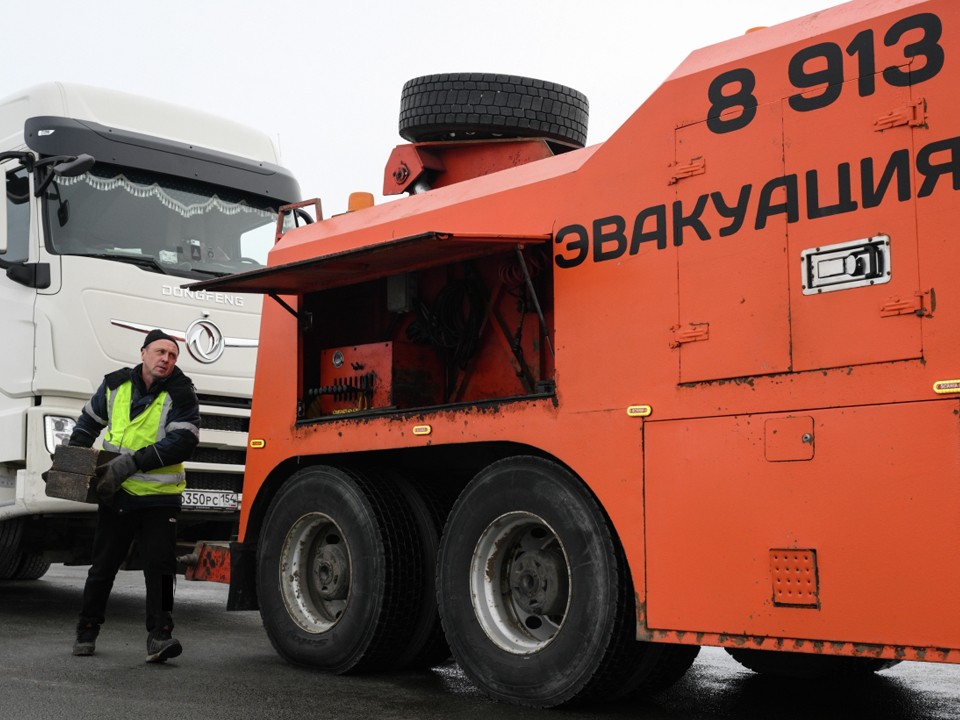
(463, 106)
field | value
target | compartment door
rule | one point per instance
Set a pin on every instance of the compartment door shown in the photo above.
(855, 295)
(733, 296)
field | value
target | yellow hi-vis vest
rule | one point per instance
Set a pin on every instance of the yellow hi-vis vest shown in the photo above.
(127, 436)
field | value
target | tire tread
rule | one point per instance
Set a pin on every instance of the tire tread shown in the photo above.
(481, 105)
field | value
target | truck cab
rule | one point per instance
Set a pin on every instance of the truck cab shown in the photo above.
(112, 203)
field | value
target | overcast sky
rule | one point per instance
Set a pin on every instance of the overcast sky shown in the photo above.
(324, 78)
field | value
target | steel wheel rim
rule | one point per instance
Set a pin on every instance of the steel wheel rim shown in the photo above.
(315, 573)
(519, 582)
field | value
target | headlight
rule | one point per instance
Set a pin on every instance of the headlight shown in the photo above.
(57, 430)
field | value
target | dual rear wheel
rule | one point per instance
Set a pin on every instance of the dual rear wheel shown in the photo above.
(531, 584)
(345, 580)
(535, 594)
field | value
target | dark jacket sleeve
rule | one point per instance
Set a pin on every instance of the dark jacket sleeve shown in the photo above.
(183, 430)
(92, 420)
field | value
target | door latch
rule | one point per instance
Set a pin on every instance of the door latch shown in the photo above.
(846, 265)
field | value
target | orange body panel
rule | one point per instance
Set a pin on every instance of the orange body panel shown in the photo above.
(724, 506)
(782, 421)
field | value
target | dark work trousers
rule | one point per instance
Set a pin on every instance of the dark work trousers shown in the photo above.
(155, 530)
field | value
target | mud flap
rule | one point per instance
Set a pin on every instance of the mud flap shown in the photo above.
(209, 561)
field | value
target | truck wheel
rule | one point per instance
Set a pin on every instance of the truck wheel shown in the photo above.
(460, 106)
(339, 572)
(33, 566)
(807, 666)
(661, 666)
(535, 595)
(10, 555)
(673, 663)
(428, 646)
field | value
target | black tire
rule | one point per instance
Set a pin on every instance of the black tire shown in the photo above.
(452, 106)
(535, 595)
(672, 665)
(661, 666)
(33, 566)
(428, 645)
(807, 666)
(11, 532)
(339, 571)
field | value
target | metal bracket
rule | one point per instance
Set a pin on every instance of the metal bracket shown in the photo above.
(295, 211)
(283, 304)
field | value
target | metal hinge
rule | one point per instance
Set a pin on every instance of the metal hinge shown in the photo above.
(694, 332)
(913, 114)
(912, 305)
(697, 166)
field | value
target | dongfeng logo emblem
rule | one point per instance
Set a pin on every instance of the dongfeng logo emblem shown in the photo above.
(204, 341)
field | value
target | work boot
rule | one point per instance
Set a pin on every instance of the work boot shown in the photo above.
(86, 642)
(161, 647)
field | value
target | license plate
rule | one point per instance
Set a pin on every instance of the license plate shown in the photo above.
(210, 500)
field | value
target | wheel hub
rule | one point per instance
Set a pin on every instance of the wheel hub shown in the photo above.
(315, 573)
(520, 582)
(538, 580)
(331, 572)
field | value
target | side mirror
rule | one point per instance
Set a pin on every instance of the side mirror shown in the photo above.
(61, 166)
(72, 167)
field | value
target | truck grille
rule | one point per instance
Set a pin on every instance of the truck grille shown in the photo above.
(214, 481)
(222, 457)
(229, 423)
(224, 401)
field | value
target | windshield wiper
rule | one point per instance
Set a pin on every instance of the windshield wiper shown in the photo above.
(144, 261)
(151, 263)
(215, 273)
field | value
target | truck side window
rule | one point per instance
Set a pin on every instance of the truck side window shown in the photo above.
(18, 218)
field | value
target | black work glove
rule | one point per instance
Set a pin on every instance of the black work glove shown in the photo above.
(112, 475)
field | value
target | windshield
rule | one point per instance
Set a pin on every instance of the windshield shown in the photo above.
(159, 222)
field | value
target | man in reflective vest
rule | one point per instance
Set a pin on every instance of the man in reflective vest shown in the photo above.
(152, 419)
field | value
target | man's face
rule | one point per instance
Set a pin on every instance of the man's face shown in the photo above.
(158, 358)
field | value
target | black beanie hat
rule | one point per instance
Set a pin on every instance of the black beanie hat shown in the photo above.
(155, 335)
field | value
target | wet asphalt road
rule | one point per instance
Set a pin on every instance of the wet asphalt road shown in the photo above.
(230, 671)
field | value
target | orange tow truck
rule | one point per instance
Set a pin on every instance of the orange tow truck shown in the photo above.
(570, 413)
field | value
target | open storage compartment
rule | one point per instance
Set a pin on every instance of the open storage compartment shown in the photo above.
(447, 320)
(430, 320)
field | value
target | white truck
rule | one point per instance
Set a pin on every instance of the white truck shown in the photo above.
(112, 203)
